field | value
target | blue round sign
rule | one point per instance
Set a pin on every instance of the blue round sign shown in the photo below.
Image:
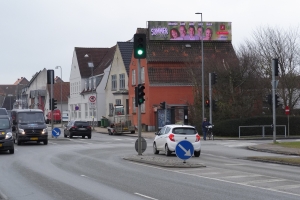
(184, 150)
(56, 132)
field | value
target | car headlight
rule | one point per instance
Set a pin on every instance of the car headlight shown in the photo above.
(45, 130)
(21, 131)
(8, 135)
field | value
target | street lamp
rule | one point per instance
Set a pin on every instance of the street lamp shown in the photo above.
(91, 65)
(60, 93)
(202, 58)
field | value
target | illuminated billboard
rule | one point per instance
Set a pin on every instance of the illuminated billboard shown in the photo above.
(167, 30)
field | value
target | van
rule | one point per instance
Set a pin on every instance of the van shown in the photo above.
(29, 125)
(6, 138)
(56, 116)
(65, 116)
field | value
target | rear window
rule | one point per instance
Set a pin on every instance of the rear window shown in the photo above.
(81, 124)
(3, 112)
(184, 131)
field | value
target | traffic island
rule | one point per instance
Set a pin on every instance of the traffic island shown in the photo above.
(162, 161)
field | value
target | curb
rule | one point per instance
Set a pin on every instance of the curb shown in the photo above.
(272, 161)
(273, 151)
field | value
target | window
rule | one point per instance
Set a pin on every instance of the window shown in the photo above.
(143, 107)
(118, 102)
(86, 110)
(133, 77)
(143, 74)
(111, 109)
(133, 105)
(113, 82)
(122, 81)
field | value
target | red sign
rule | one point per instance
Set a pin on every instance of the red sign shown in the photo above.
(92, 98)
(287, 110)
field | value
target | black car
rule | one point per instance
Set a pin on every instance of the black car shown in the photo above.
(6, 137)
(78, 128)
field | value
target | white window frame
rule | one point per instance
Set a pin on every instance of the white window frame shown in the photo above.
(133, 81)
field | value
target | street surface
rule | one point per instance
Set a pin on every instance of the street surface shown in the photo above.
(95, 169)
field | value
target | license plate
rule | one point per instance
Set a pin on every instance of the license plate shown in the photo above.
(82, 129)
(34, 138)
(0, 145)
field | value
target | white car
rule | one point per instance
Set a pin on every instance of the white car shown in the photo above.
(169, 136)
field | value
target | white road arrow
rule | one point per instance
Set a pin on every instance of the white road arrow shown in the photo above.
(57, 133)
(187, 152)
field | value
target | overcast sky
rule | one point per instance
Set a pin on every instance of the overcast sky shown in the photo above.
(37, 34)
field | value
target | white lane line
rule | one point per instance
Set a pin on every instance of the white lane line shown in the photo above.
(234, 164)
(287, 187)
(145, 196)
(52, 143)
(242, 176)
(264, 181)
(217, 179)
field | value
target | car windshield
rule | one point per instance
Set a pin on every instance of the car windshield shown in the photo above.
(184, 131)
(31, 117)
(4, 123)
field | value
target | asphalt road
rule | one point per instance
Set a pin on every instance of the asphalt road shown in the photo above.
(95, 169)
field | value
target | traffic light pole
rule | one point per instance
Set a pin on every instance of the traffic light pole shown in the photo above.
(273, 99)
(51, 99)
(210, 99)
(139, 113)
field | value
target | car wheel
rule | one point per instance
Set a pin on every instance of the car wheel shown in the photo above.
(82, 136)
(70, 135)
(132, 132)
(155, 151)
(65, 135)
(11, 151)
(197, 153)
(89, 136)
(167, 151)
(45, 142)
(109, 132)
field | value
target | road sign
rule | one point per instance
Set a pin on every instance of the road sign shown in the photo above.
(92, 105)
(92, 99)
(184, 150)
(56, 132)
(287, 110)
(144, 145)
(76, 107)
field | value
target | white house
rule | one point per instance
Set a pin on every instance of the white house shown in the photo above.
(88, 77)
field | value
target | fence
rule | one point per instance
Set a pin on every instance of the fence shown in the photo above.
(262, 128)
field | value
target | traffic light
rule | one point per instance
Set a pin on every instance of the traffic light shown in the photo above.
(207, 103)
(276, 101)
(214, 78)
(141, 94)
(270, 99)
(50, 104)
(163, 105)
(139, 45)
(214, 105)
(53, 104)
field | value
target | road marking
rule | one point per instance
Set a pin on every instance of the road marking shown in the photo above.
(242, 176)
(217, 179)
(287, 187)
(145, 196)
(264, 181)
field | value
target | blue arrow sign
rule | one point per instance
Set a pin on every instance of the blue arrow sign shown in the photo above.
(56, 132)
(184, 150)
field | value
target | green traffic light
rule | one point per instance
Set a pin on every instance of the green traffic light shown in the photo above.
(140, 52)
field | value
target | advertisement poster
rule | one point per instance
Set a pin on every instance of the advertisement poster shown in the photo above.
(197, 31)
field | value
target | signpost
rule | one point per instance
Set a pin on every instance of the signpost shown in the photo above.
(56, 132)
(92, 100)
(287, 112)
(184, 150)
(144, 145)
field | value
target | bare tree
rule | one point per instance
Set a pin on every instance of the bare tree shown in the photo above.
(268, 43)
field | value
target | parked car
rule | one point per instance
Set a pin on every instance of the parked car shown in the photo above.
(3, 111)
(169, 136)
(78, 128)
(6, 137)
